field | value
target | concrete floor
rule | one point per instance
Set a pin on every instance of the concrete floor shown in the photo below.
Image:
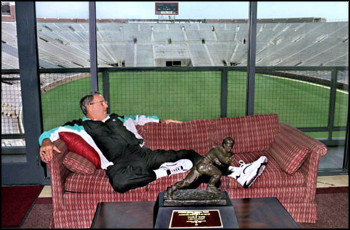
(333, 159)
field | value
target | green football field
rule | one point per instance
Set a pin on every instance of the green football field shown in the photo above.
(196, 95)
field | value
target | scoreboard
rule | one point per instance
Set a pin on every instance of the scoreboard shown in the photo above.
(167, 8)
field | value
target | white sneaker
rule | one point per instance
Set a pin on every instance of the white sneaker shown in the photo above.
(246, 174)
(179, 166)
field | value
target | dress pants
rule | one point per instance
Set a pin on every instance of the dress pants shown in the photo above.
(135, 169)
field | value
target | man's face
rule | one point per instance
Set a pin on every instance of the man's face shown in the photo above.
(97, 109)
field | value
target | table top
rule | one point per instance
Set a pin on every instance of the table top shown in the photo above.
(250, 213)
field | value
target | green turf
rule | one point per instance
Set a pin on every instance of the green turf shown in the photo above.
(61, 104)
(180, 96)
(196, 95)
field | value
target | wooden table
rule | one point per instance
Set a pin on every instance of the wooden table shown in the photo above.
(250, 213)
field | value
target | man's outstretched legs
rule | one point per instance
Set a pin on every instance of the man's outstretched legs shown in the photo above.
(144, 166)
(155, 158)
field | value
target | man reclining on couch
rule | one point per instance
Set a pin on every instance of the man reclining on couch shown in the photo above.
(127, 162)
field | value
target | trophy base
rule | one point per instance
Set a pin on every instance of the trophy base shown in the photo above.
(194, 214)
(195, 197)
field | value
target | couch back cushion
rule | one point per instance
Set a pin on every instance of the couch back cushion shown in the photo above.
(79, 146)
(252, 133)
(194, 135)
(288, 152)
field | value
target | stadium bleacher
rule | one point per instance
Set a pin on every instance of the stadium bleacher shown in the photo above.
(207, 44)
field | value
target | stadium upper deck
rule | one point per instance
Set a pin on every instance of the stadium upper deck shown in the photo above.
(65, 44)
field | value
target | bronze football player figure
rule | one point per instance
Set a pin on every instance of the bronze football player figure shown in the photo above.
(218, 155)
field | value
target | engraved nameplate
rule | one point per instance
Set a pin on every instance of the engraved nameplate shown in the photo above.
(195, 219)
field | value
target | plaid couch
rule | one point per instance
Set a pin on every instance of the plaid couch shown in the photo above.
(290, 175)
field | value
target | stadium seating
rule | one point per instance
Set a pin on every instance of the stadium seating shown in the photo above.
(278, 44)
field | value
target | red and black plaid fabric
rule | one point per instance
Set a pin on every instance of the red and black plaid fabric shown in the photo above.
(194, 135)
(78, 164)
(288, 153)
(251, 133)
(89, 183)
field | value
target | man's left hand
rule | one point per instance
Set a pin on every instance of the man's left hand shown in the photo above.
(168, 121)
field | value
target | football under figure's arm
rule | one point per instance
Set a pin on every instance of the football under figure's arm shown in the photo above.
(221, 155)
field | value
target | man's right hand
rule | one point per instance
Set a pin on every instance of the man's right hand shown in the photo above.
(46, 150)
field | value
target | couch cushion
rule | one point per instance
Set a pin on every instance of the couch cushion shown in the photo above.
(194, 135)
(78, 145)
(78, 164)
(288, 153)
(96, 183)
(161, 184)
(251, 133)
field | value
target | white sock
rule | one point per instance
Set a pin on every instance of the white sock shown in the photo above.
(160, 173)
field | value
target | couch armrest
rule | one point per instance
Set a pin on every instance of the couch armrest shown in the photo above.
(58, 174)
(309, 167)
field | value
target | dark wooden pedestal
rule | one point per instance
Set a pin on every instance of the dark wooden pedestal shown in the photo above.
(199, 216)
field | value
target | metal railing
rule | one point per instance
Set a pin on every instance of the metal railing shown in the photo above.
(219, 91)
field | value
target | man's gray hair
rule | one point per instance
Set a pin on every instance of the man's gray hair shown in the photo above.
(86, 100)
